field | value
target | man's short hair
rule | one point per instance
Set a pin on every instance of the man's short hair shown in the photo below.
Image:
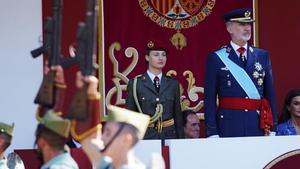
(55, 140)
(185, 114)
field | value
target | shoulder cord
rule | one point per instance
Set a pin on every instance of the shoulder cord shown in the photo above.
(158, 109)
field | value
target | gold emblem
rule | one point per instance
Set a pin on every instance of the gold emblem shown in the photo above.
(191, 6)
(228, 49)
(150, 44)
(177, 15)
(178, 40)
(247, 14)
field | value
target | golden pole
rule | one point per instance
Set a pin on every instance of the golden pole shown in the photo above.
(256, 23)
(101, 58)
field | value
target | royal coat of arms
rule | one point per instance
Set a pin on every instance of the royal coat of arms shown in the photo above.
(177, 15)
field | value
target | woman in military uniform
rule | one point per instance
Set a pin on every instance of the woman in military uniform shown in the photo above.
(157, 95)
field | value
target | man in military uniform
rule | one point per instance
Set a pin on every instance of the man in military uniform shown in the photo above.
(5, 141)
(122, 131)
(51, 137)
(157, 95)
(240, 77)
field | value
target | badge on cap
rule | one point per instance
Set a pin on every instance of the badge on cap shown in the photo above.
(6, 128)
(243, 15)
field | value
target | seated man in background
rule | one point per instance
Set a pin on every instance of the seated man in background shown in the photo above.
(191, 124)
(5, 141)
(51, 137)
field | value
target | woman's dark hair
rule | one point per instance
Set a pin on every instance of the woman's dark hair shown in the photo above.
(285, 113)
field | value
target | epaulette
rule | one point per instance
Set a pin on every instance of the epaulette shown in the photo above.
(224, 46)
(138, 76)
(251, 49)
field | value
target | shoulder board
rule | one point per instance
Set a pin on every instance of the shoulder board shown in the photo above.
(251, 48)
(228, 48)
(224, 46)
(137, 76)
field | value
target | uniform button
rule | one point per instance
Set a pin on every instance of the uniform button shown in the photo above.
(227, 75)
(157, 99)
(221, 116)
(246, 110)
(143, 98)
(246, 97)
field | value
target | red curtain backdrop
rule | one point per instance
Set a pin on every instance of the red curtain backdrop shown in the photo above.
(126, 24)
(279, 34)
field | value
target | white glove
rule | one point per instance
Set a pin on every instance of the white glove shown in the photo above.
(272, 133)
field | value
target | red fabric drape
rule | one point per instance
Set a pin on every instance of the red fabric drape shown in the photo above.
(126, 23)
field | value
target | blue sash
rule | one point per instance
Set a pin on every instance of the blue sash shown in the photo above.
(239, 74)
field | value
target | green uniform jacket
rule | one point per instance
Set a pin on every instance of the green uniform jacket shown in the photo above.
(148, 97)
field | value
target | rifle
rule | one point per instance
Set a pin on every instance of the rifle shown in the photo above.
(51, 48)
(83, 111)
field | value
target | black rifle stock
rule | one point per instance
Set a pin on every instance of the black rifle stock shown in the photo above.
(51, 48)
(86, 55)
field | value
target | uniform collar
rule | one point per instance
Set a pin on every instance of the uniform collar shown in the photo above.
(152, 76)
(235, 48)
(62, 158)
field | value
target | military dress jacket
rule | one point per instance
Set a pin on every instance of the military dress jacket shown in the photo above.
(219, 82)
(148, 98)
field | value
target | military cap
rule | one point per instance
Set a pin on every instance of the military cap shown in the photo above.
(6, 128)
(243, 15)
(155, 45)
(138, 120)
(56, 124)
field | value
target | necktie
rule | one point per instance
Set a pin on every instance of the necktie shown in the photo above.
(156, 83)
(242, 51)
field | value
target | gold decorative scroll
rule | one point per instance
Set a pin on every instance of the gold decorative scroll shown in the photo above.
(193, 91)
(119, 77)
(120, 81)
